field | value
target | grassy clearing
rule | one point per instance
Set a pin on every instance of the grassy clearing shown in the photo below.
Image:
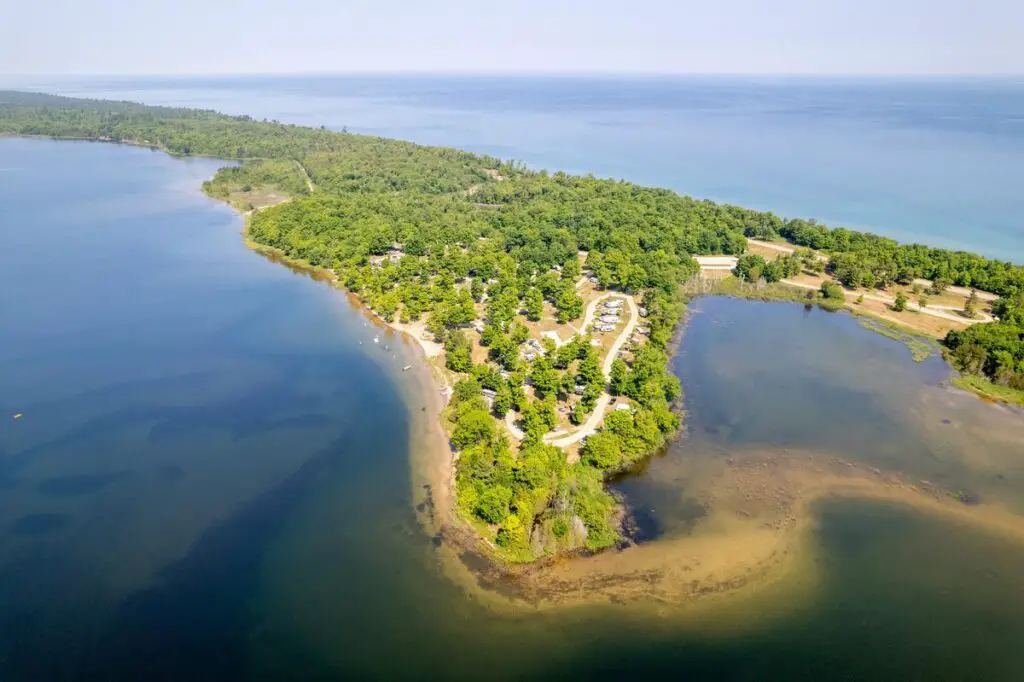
(257, 184)
(989, 391)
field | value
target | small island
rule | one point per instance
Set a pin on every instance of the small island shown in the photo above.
(548, 302)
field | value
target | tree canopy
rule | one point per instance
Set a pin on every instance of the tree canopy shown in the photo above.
(461, 240)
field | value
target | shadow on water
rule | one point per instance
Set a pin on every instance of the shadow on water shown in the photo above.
(642, 522)
(195, 624)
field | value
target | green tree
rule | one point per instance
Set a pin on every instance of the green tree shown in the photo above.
(476, 289)
(579, 412)
(475, 426)
(458, 352)
(589, 370)
(544, 377)
(465, 390)
(534, 304)
(832, 291)
(750, 267)
(602, 450)
(502, 401)
(493, 504)
(939, 286)
(619, 377)
(538, 418)
(569, 304)
(971, 305)
(511, 533)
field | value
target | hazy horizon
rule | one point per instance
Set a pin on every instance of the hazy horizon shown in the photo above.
(663, 37)
(595, 75)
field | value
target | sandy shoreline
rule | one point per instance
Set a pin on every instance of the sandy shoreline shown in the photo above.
(432, 460)
(744, 554)
(758, 537)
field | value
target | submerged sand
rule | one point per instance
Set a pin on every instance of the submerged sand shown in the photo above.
(755, 535)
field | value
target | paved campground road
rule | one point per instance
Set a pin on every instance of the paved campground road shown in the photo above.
(597, 416)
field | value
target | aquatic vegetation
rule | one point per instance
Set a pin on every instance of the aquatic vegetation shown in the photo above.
(920, 347)
(989, 390)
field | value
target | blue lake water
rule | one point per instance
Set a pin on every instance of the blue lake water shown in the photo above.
(933, 161)
(213, 479)
(179, 393)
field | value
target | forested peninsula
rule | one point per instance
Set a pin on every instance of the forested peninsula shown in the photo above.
(555, 297)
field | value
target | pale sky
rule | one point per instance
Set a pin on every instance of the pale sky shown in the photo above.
(868, 37)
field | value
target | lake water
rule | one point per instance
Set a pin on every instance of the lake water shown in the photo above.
(934, 161)
(212, 478)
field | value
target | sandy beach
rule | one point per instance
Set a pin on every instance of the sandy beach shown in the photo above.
(759, 530)
(763, 502)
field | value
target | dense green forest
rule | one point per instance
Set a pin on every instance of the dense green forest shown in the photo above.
(457, 240)
(337, 161)
(994, 350)
(472, 233)
(868, 260)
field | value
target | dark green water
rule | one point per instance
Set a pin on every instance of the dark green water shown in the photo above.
(212, 481)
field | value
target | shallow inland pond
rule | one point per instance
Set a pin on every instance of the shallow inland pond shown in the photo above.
(798, 383)
(216, 473)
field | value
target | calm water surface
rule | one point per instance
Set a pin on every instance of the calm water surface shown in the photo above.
(934, 161)
(211, 480)
(776, 375)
